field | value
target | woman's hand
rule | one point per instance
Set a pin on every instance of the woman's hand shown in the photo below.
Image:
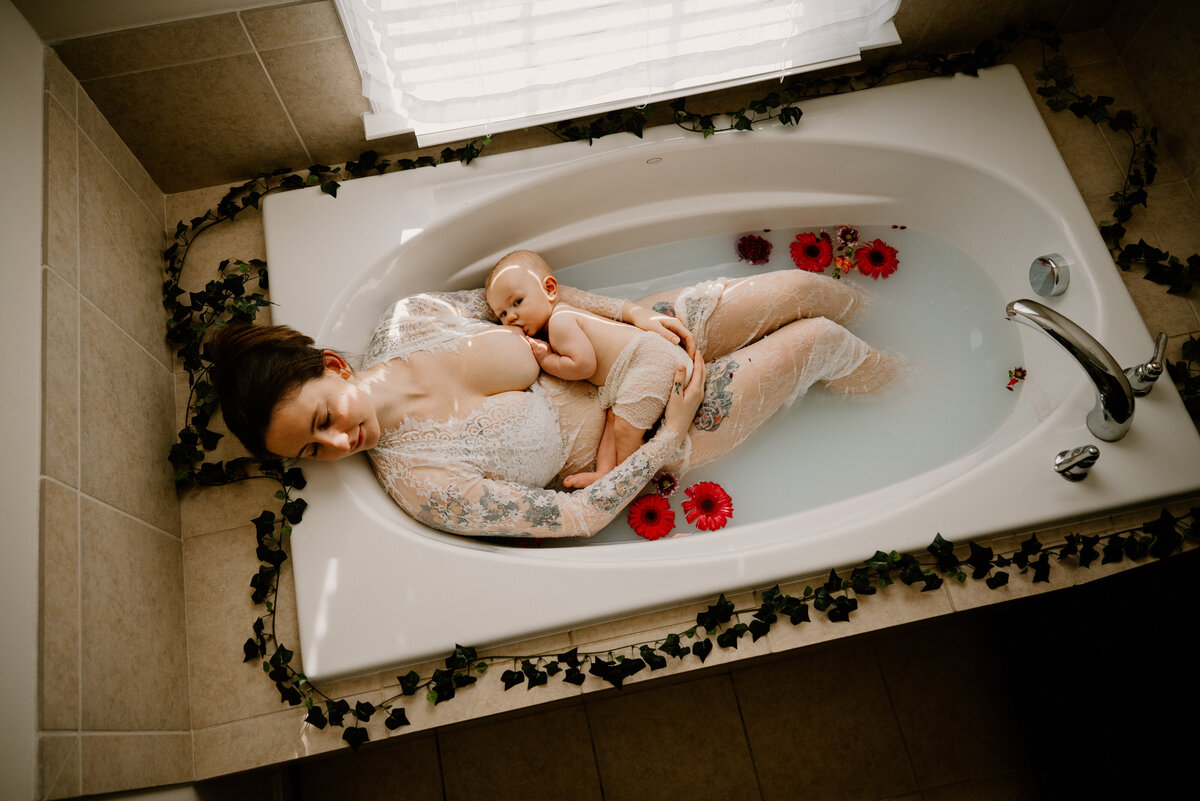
(685, 400)
(666, 326)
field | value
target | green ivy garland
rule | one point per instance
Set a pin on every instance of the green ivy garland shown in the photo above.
(230, 297)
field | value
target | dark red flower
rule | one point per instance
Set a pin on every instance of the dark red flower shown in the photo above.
(754, 249)
(876, 259)
(812, 252)
(651, 516)
(708, 506)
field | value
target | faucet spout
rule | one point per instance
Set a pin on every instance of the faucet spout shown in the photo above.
(1113, 413)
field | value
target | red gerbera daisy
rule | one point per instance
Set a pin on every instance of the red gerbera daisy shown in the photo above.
(812, 252)
(876, 259)
(708, 505)
(651, 516)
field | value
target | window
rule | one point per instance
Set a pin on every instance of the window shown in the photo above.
(458, 69)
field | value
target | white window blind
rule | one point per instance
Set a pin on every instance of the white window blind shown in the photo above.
(458, 69)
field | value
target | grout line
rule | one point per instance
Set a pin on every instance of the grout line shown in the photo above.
(169, 369)
(126, 514)
(587, 722)
(737, 702)
(887, 688)
(283, 106)
(78, 295)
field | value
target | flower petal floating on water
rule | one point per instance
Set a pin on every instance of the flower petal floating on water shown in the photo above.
(651, 516)
(812, 252)
(876, 259)
(754, 249)
(708, 506)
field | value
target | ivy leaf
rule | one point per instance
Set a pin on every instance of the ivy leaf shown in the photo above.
(409, 682)
(1114, 550)
(1087, 551)
(337, 711)
(511, 678)
(316, 718)
(271, 556)
(729, 638)
(574, 676)
(462, 657)
(355, 736)
(293, 510)
(839, 611)
(980, 560)
(363, 710)
(702, 649)
(717, 614)
(289, 694)
(252, 650)
(1041, 569)
(671, 647)
(654, 660)
(536, 676)
(395, 719)
(996, 580)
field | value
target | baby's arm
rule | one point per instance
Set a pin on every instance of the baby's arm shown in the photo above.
(571, 355)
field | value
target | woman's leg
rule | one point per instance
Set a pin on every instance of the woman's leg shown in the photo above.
(747, 386)
(750, 308)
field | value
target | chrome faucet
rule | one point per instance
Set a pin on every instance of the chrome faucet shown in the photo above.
(1113, 413)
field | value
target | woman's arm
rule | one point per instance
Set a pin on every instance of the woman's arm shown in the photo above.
(460, 500)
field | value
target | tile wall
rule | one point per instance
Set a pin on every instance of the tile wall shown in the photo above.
(221, 98)
(114, 702)
(144, 600)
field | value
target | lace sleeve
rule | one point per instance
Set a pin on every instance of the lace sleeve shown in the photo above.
(460, 500)
(596, 304)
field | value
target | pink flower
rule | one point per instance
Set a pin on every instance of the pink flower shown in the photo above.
(708, 506)
(754, 249)
(651, 516)
(812, 252)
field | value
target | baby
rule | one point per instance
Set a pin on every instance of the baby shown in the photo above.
(634, 369)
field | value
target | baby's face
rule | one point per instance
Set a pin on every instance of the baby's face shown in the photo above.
(518, 297)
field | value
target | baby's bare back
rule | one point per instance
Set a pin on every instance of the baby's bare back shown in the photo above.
(608, 337)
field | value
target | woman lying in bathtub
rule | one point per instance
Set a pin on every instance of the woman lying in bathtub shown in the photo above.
(465, 434)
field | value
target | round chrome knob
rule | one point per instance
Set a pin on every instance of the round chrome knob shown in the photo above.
(1049, 275)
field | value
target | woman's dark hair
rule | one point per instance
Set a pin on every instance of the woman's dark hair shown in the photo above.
(254, 368)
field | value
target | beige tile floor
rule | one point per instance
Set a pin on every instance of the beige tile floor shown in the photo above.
(905, 702)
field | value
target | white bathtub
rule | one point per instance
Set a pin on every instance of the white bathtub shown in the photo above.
(967, 160)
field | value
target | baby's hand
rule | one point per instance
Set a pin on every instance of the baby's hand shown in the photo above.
(540, 349)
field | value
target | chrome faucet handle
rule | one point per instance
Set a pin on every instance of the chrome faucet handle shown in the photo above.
(1073, 465)
(1142, 376)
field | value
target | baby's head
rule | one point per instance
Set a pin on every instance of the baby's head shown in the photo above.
(522, 290)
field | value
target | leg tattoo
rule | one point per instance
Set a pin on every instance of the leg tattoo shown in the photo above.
(718, 399)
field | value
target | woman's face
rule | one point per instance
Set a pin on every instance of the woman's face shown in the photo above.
(327, 419)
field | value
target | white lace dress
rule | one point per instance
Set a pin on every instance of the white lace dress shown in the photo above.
(484, 474)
